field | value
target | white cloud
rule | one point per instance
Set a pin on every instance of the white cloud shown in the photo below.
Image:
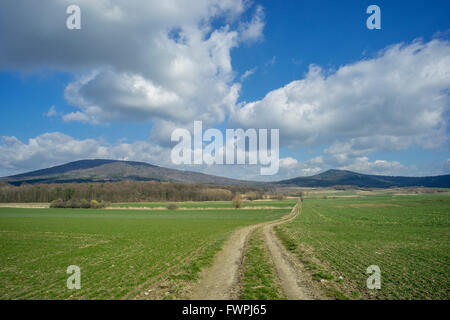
(51, 112)
(55, 148)
(248, 73)
(78, 117)
(253, 30)
(288, 162)
(170, 62)
(381, 167)
(361, 164)
(390, 102)
(142, 60)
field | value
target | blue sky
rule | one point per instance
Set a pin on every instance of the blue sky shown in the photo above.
(330, 34)
(114, 89)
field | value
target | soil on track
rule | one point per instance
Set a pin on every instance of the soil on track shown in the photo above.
(295, 282)
(221, 281)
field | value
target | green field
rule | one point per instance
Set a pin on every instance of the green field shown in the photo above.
(208, 204)
(124, 254)
(406, 236)
(121, 253)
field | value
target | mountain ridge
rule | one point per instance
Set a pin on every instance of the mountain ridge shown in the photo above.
(106, 170)
(103, 170)
(335, 177)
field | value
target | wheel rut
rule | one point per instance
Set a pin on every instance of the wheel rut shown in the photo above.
(221, 281)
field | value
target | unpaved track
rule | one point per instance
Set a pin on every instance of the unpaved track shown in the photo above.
(295, 284)
(221, 280)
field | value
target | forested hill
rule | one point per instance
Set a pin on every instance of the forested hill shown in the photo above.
(348, 178)
(116, 171)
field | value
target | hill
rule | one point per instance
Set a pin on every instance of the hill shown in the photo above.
(115, 171)
(348, 178)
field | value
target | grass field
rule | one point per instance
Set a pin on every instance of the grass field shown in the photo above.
(126, 254)
(406, 236)
(121, 253)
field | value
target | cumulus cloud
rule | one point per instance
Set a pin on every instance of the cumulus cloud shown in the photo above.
(135, 60)
(361, 164)
(288, 162)
(169, 62)
(78, 117)
(389, 102)
(50, 149)
(253, 30)
(381, 167)
(55, 148)
(290, 168)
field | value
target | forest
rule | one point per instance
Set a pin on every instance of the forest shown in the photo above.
(125, 191)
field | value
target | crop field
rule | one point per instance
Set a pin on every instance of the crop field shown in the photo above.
(209, 204)
(122, 254)
(406, 236)
(156, 254)
(318, 193)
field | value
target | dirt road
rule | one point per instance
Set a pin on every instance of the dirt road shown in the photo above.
(295, 284)
(222, 280)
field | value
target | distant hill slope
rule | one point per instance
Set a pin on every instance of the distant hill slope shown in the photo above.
(348, 178)
(116, 170)
(113, 171)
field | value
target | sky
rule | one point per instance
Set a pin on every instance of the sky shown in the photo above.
(342, 96)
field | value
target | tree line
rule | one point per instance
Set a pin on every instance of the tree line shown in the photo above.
(125, 191)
